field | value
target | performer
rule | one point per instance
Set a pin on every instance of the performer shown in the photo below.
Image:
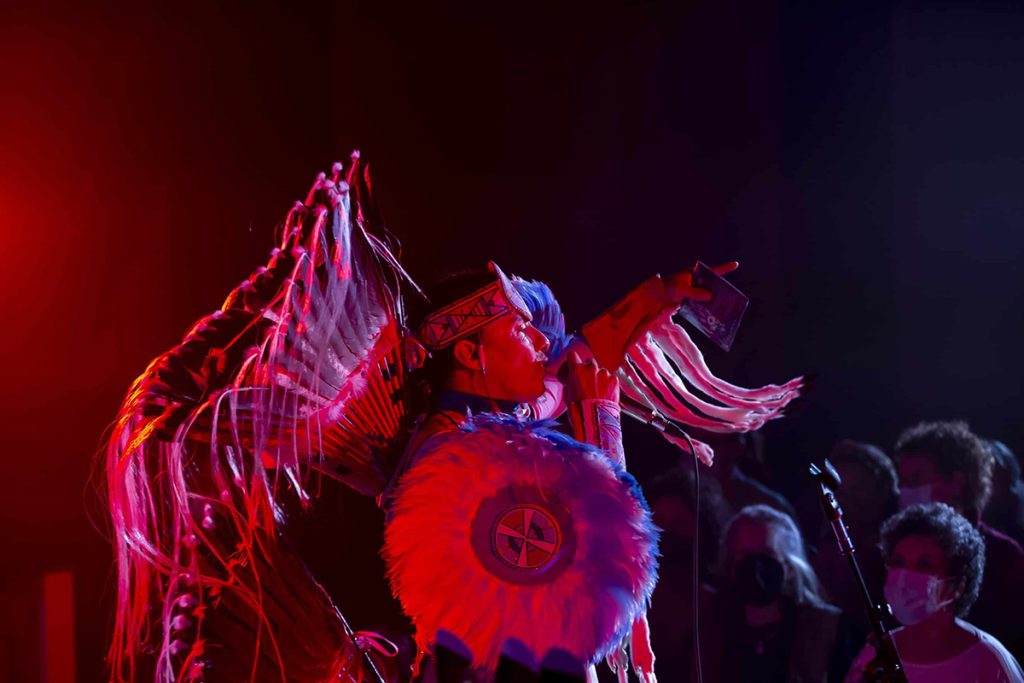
(305, 372)
(549, 538)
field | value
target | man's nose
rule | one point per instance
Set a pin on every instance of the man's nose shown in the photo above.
(540, 341)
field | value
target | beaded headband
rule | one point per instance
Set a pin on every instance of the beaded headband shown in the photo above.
(465, 316)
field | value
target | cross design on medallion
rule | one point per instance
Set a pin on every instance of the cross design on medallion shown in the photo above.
(526, 537)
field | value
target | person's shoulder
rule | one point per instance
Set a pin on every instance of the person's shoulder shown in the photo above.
(1004, 560)
(992, 645)
(821, 610)
(996, 540)
(990, 654)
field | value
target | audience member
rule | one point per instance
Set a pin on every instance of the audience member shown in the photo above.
(1005, 509)
(868, 495)
(946, 462)
(771, 623)
(735, 456)
(671, 496)
(935, 563)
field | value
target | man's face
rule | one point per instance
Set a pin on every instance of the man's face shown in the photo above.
(512, 359)
(922, 482)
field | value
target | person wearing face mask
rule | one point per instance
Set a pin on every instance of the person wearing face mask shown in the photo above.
(935, 562)
(945, 462)
(772, 624)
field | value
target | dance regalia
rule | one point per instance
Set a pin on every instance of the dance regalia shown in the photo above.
(302, 374)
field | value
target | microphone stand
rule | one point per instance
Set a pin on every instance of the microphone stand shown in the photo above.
(886, 667)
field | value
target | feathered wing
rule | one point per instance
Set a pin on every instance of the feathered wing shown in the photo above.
(332, 370)
(300, 370)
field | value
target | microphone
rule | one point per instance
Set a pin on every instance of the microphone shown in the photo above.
(633, 408)
(650, 416)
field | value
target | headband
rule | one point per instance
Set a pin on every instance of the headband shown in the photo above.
(465, 316)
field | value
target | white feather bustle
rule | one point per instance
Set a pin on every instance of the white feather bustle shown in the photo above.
(587, 603)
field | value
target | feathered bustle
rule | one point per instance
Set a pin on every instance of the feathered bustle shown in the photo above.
(437, 542)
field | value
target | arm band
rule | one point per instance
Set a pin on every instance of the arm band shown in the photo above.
(598, 422)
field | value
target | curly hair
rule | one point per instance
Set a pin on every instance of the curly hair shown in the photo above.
(962, 544)
(952, 447)
(803, 585)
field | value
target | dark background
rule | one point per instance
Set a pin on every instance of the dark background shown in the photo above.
(862, 161)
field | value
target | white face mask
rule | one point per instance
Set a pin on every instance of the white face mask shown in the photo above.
(913, 495)
(914, 596)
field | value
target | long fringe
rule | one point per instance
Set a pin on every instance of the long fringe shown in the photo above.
(665, 362)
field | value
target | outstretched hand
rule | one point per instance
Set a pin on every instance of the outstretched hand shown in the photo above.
(680, 286)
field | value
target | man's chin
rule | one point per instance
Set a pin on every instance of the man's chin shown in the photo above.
(530, 396)
(540, 392)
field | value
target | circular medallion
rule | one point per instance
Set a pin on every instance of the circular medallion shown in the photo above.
(523, 535)
(526, 537)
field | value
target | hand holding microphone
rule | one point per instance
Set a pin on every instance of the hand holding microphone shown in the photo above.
(586, 380)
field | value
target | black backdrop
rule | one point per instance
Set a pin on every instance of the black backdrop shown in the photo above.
(863, 162)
